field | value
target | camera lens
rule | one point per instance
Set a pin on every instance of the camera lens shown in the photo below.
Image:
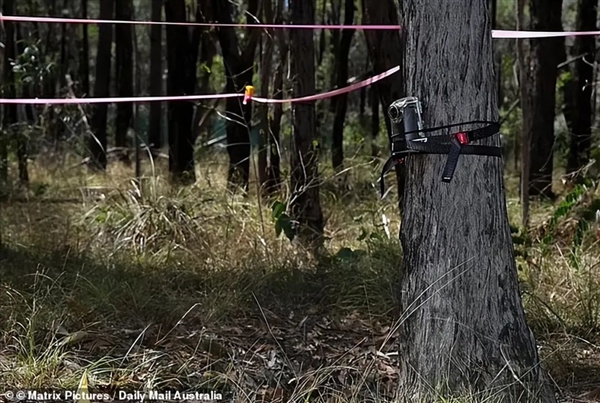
(395, 112)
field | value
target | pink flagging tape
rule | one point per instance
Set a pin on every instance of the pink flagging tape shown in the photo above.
(333, 93)
(506, 34)
(71, 101)
(539, 34)
(18, 18)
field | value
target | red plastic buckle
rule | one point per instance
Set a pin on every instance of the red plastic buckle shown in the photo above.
(463, 138)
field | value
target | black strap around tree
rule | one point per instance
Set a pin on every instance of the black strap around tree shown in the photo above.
(453, 145)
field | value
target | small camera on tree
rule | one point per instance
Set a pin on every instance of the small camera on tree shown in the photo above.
(406, 111)
(408, 136)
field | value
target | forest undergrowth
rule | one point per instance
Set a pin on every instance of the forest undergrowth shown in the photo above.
(141, 286)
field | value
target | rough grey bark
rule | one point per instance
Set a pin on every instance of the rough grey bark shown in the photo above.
(497, 53)
(464, 329)
(306, 205)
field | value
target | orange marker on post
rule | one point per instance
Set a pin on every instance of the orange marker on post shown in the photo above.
(248, 94)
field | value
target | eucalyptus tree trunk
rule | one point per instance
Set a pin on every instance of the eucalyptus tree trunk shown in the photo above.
(98, 142)
(539, 78)
(84, 56)
(464, 331)
(265, 77)
(11, 115)
(385, 50)
(124, 71)
(306, 205)
(581, 116)
(279, 87)
(182, 56)
(341, 104)
(22, 141)
(208, 51)
(239, 68)
(156, 73)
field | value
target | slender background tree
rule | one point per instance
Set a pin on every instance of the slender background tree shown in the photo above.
(579, 114)
(538, 102)
(341, 103)
(124, 71)
(156, 73)
(238, 59)
(306, 205)
(384, 57)
(98, 141)
(182, 56)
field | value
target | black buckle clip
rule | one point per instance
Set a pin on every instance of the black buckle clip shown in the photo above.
(456, 142)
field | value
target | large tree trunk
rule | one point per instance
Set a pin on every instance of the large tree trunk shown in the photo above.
(464, 329)
(538, 78)
(582, 87)
(385, 52)
(124, 64)
(306, 205)
(182, 55)
(239, 63)
(156, 81)
(102, 86)
(341, 103)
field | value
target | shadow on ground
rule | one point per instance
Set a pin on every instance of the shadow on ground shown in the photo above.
(135, 324)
